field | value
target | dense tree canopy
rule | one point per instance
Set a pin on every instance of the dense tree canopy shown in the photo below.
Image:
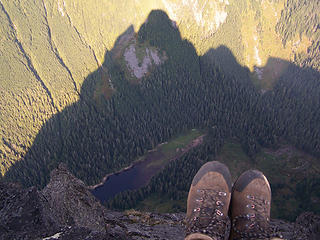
(100, 134)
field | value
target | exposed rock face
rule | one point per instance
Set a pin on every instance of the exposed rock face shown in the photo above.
(65, 209)
(24, 213)
(72, 202)
(140, 69)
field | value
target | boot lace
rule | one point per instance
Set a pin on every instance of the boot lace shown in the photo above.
(208, 217)
(257, 226)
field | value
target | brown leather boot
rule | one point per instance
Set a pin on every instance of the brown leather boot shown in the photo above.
(208, 203)
(250, 207)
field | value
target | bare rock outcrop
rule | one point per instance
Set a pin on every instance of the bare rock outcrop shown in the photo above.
(72, 202)
(24, 213)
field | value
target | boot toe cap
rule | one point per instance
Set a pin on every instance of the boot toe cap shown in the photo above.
(214, 166)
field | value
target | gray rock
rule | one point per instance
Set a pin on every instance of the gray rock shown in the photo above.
(71, 201)
(24, 213)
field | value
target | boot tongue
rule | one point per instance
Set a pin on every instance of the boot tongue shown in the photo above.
(204, 221)
(214, 226)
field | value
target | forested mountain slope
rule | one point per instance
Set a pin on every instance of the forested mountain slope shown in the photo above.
(116, 121)
(48, 48)
(96, 84)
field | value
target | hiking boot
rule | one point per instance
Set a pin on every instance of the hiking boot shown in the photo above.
(250, 207)
(208, 203)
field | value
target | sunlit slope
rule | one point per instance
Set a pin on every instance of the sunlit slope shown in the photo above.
(253, 30)
(24, 103)
(47, 50)
(42, 69)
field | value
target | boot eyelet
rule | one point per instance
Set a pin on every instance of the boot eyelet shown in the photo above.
(250, 197)
(218, 212)
(251, 226)
(222, 194)
(250, 206)
(219, 203)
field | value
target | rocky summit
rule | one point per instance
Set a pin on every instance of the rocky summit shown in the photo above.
(66, 209)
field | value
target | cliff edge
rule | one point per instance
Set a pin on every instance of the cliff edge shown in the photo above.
(65, 209)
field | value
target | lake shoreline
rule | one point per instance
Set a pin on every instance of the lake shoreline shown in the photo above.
(195, 142)
(105, 178)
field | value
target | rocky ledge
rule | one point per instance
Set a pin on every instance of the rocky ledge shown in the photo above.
(65, 209)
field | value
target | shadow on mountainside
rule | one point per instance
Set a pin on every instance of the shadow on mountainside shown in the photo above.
(224, 59)
(112, 123)
(115, 121)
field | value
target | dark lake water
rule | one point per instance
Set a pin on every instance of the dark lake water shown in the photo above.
(136, 177)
